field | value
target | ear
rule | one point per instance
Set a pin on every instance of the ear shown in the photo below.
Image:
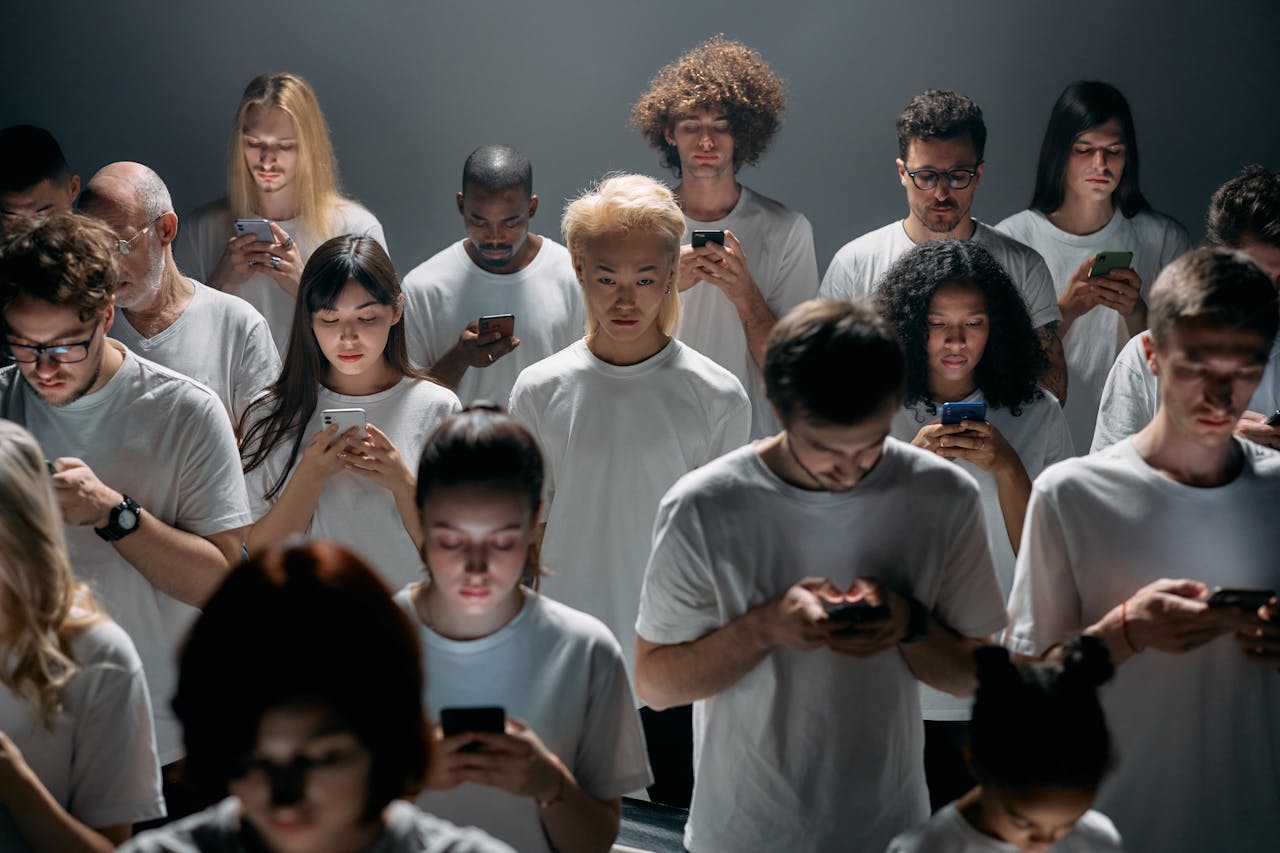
(977, 179)
(398, 314)
(533, 205)
(903, 178)
(1149, 353)
(73, 188)
(109, 316)
(671, 140)
(460, 213)
(578, 269)
(167, 228)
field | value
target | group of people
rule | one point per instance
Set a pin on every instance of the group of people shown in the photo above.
(305, 555)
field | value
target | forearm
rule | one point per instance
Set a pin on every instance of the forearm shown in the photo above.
(180, 564)
(44, 824)
(579, 823)
(290, 515)
(943, 659)
(450, 368)
(1054, 376)
(671, 675)
(1013, 489)
(1136, 321)
(1111, 630)
(757, 322)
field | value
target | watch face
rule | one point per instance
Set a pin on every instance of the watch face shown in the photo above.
(127, 519)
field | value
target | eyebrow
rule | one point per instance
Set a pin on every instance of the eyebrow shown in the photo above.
(645, 268)
(444, 525)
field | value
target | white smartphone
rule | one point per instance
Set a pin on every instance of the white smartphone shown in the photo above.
(345, 419)
(259, 228)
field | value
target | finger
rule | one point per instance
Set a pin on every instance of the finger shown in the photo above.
(376, 437)
(515, 725)
(1183, 587)
(280, 234)
(1255, 417)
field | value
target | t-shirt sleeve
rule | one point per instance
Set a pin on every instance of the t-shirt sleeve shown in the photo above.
(969, 600)
(1044, 603)
(678, 602)
(1039, 293)
(195, 251)
(838, 283)
(1127, 402)
(611, 759)
(211, 494)
(797, 279)
(732, 430)
(524, 409)
(259, 366)
(1058, 444)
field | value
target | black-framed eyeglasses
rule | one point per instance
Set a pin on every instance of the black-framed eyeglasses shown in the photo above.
(126, 246)
(957, 179)
(61, 353)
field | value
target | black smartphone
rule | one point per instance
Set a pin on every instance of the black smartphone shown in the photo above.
(1105, 262)
(455, 721)
(50, 467)
(1274, 420)
(701, 238)
(954, 413)
(1244, 599)
(855, 612)
(503, 323)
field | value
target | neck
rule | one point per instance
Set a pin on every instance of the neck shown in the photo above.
(708, 199)
(434, 611)
(171, 300)
(278, 206)
(950, 390)
(970, 808)
(780, 458)
(625, 353)
(1175, 455)
(112, 359)
(919, 234)
(378, 377)
(1081, 216)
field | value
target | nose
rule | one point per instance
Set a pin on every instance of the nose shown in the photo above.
(1218, 391)
(477, 560)
(942, 190)
(955, 336)
(1100, 158)
(45, 365)
(705, 141)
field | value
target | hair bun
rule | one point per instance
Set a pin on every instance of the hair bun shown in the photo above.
(995, 667)
(1087, 662)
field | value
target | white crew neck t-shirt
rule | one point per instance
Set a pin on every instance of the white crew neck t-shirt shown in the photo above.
(446, 292)
(948, 832)
(1197, 732)
(1040, 437)
(99, 761)
(164, 440)
(614, 439)
(1132, 394)
(219, 341)
(203, 238)
(561, 672)
(354, 510)
(1092, 342)
(778, 243)
(856, 270)
(812, 750)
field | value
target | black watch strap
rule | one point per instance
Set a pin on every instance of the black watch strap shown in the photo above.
(123, 521)
(917, 623)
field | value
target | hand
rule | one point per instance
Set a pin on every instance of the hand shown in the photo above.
(376, 458)
(724, 266)
(869, 638)
(327, 452)
(287, 272)
(797, 619)
(1260, 641)
(15, 773)
(479, 350)
(82, 497)
(981, 444)
(1121, 291)
(1080, 296)
(1253, 426)
(516, 761)
(1172, 616)
(232, 269)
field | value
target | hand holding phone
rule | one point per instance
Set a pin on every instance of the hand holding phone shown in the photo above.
(1274, 420)
(1105, 262)
(345, 419)
(1248, 600)
(259, 228)
(853, 613)
(504, 324)
(702, 237)
(456, 721)
(954, 413)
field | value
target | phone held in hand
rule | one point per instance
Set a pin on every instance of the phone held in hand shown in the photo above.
(855, 612)
(345, 419)
(954, 413)
(1242, 599)
(1105, 262)
(701, 237)
(503, 323)
(259, 228)
(455, 721)
(1274, 420)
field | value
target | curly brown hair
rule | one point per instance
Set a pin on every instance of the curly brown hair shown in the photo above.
(64, 258)
(717, 74)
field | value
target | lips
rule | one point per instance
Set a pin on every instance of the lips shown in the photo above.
(350, 357)
(623, 321)
(474, 592)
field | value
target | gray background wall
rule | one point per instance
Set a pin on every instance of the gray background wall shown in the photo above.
(409, 88)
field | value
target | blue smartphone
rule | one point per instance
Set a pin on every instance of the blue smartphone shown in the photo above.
(954, 413)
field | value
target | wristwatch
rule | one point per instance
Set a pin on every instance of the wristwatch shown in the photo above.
(917, 622)
(124, 520)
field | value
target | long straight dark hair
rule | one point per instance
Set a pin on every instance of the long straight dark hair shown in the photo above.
(280, 414)
(1082, 106)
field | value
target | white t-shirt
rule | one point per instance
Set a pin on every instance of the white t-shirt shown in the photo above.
(614, 439)
(99, 761)
(164, 440)
(948, 832)
(1132, 394)
(812, 750)
(446, 292)
(354, 510)
(857, 268)
(1196, 733)
(1092, 341)
(778, 243)
(204, 235)
(561, 672)
(1040, 437)
(217, 829)
(219, 341)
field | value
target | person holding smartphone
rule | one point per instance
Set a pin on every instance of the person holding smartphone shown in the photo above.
(968, 338)
(352, 484)
(1126, 544)
(1088, 200)
(281, 168)
(552, 774)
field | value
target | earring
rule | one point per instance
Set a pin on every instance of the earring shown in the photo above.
(668, 290)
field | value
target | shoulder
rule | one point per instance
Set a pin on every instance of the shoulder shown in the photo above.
(215, 828)
(1097, 829)
(240, 311)
(867, 244)
(920, 469)
(553, 369)
(554, 252)
(1082, 473)
(1021, 224)
(574, 626)
(733, 475)
(410, 828)
(353, 217)
(174, 388)
(215, 212)
(105, 643)
(427, 274)
(706, 372)
(1005, 247)
(427, 392)
(1264, 461)
(1153, 222)
(778, 213)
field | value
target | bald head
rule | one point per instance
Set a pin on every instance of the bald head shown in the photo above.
(494, 168)
(130, 191)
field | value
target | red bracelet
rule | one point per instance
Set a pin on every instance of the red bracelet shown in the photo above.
(1124, 626)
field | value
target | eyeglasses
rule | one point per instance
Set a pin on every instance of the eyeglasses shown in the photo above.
(927, 179)
(126, 246)
(61, 353)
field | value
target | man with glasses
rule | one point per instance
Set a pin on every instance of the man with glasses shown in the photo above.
(941, 137)
(211, 336)
(144, 461)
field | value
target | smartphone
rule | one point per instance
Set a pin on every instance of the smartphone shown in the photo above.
(1105, 262)
(855, 612)
(455, 721)
(1274, 420)
(954, 413)
(504, 323)
(259, 228)
(345, 419)
(701, 238)
(50, 467)
(1244, 599)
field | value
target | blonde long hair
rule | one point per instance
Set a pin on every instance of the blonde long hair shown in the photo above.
(317, 178)
(37, 589)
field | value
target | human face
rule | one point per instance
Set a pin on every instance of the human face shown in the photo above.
(1265, 255)
(940, 210)
(476, 547)
(142, 270)
(353, 333)
(38, 323)
(1207, 373)
(1096, 163)
(625, 279)
(39, 199)
(1033, 820)
(498, 227)
(838, 456)
(316, 809)
(958, 332)
(270, 148)
(704, 141)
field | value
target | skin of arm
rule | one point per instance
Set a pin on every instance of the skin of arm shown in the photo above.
(726, 268)
(472, 350)
(1054, 376)
(324, 455)
(41, 821)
